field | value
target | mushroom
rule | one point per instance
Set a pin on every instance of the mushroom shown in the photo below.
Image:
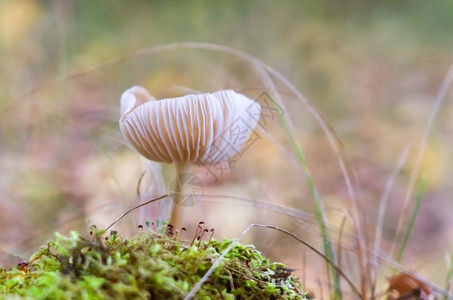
(194, 129)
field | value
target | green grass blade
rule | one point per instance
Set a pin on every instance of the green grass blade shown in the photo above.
(449, 275)
(319, 211)
(421, 192)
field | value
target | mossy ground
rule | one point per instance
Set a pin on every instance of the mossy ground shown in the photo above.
(149, 265)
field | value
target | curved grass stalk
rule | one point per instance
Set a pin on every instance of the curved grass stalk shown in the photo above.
(416, 170)
(418, 200)
(205, 277)
(299, 217)
(134, 208)
(381, 213)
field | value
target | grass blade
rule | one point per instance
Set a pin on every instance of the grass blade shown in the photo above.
(449, 275)
(421, 192)
(415, 171)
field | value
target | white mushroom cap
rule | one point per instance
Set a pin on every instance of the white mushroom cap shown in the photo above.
(199, 128)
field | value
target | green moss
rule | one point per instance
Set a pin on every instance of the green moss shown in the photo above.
(147, 266)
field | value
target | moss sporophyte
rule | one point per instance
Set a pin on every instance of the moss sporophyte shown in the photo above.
(150, 265)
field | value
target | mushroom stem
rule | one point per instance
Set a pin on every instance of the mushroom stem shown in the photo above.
(178, 196)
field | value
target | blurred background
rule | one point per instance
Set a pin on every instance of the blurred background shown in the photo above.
(372, 69)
